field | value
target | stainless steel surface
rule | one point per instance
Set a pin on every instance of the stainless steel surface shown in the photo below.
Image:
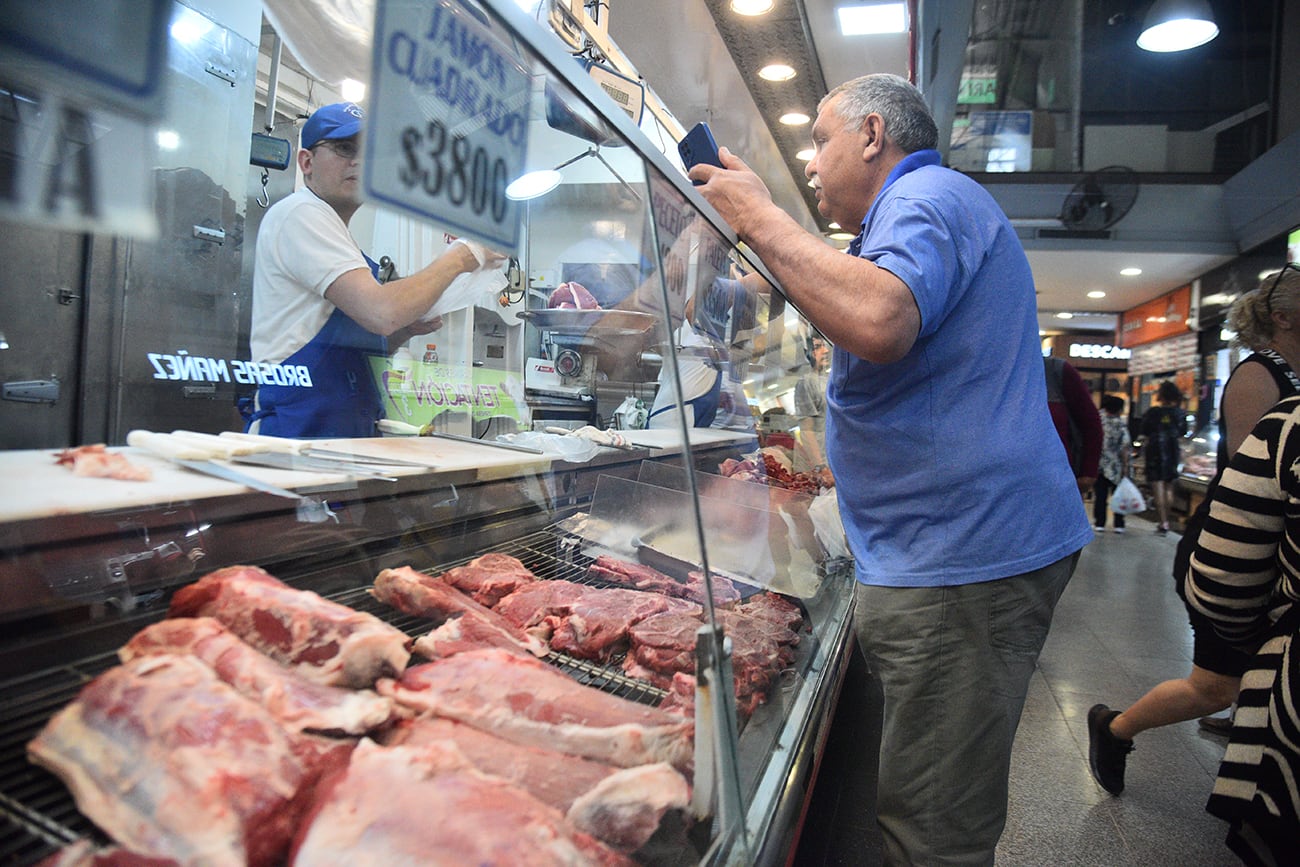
(597, 323)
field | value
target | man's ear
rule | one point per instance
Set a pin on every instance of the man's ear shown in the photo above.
(873, 136)
(304, 161)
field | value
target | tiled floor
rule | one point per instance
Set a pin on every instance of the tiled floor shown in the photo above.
(1119, 630)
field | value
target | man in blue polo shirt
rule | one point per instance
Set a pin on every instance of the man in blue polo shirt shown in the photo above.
(959, 504)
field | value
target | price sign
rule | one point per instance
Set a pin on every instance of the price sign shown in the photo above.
(978, 89)
(447, 129)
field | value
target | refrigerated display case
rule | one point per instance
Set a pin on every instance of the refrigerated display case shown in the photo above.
(485, 456)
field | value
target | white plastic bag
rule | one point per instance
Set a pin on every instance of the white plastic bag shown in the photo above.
(1127, 499)
(825, 515)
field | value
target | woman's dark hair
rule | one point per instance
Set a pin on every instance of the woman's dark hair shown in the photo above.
(1112, 403)
(1169, 393)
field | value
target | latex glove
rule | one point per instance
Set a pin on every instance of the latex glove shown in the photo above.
(600, 437)
(485, 256)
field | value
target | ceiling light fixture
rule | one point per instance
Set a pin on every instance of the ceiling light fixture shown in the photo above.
(530, 185)
(1130, 272)
(776, 72)
(752, 7)
(1177, 25)
(352, 90)
(1065, 314)
(840, 236)
(806, 154)
(867, 18)
(1096, 293)
(795, 118)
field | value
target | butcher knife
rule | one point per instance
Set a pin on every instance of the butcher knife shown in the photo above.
(261, 454)
(309, 449)
(197, 458)
(401, 428)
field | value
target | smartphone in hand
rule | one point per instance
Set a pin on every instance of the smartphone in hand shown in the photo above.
(698, 146)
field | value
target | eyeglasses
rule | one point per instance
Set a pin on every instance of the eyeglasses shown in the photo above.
(345, 148)
(1272, 287)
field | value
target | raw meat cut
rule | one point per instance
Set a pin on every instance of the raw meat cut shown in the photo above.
(468, 625)
(490, 577)
(622, 806)
(84, 853)
(528, 702)
(572, 296)
(98, 462)
(774, 608)
(322, 640)
(448, 813)
(582, 621)
(298, 703)
(641, 577)
(172, 763)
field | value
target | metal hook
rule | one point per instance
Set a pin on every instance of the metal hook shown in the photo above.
(265, 198)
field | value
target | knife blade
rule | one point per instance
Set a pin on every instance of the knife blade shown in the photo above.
(285, 445)
(281, 461)
(195, 457)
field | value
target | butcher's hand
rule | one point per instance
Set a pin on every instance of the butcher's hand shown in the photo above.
(735, 191)
(487, 258)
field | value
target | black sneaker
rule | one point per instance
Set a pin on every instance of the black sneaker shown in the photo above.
(1107, 754)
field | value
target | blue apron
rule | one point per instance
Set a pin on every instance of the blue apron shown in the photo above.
(343, 400)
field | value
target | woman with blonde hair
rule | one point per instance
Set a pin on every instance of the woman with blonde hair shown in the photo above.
(1266, 320)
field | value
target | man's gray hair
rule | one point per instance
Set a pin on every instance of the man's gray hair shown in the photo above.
(908, 122)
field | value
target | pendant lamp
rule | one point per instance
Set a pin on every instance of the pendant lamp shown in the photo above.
(1177, 25)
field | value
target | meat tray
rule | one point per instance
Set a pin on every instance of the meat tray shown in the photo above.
(38, 816)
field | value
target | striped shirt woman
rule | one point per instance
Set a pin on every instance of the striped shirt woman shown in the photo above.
(1245, 576)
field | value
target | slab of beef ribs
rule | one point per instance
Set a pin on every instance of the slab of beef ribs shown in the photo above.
(582, 621)
(298, 703)
(468, 625)
(490, 577)
(530, 703)
(430, 806)
(641, 577)
(171, 762)
(322, 640)
(621, 806)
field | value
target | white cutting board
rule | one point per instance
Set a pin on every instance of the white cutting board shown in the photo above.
(36, 487)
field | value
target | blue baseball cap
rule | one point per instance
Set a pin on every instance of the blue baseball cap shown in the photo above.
(337, 120)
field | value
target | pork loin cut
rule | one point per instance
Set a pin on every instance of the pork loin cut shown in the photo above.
(428, 805)
(322, 640)
(622, 806)
(530, 703)
(172, 763)
(490, 577)
(298, 703)
(468, 624)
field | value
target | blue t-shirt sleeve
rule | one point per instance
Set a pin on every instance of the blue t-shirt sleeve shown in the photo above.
(910, 239)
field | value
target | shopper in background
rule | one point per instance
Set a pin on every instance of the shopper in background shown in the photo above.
(317, 300)
(1267, 321)
(1245, 578)
(1113, 465)
(960, 508)
(1163, 427)
(1076, 418)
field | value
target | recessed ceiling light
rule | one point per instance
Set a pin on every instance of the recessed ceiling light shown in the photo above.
(834, 225)
(168, 139)
(806, 154)
(1130, 272)
(1065, 314)
(865, 18)
(777, 72)
(795, 118)
(352, 90)
(840, 236)
(1096, 293)
(752, 7)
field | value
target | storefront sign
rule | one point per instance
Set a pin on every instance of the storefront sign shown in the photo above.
(419, 395)
(1175, 353)
(448, 124)
(1166, 316)
(1099, 350)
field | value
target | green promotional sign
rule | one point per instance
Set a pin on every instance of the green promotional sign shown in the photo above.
(426, 391)
(978, 90)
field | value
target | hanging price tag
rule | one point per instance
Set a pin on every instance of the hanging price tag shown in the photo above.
(448, 121)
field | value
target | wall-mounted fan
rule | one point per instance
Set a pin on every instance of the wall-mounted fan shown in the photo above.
(1100, 200)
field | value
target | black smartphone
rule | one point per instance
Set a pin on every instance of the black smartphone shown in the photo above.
(698, 146)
